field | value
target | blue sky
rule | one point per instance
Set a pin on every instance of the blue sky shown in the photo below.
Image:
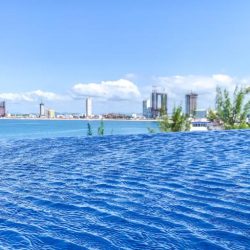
(122, 48)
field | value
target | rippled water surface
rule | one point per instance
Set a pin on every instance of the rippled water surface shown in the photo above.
(171, 191)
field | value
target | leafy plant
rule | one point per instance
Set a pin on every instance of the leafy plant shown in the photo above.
(89, 132)
(232, 112)
(151, 130)
(101, 128)
(211, 116)
(165, 124)
(177, 122)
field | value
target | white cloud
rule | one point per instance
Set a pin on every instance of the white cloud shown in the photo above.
(124, 89)
(130, 76)
(223, 79)
(108, 90)
(177, 86)
(32, 96)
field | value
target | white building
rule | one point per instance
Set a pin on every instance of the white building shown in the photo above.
(134, 116)
(146, 109)
(201, 125)
(88, 107)
(51, 114)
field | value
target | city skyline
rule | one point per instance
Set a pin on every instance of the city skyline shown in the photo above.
(152, 107)
(115, 53)
(28, 100)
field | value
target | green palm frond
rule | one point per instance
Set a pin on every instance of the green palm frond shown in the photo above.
(177, 122)
(232, 113)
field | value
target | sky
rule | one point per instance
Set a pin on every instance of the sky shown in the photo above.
(114, 51)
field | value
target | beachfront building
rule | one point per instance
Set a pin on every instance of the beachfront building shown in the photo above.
(200, 125)
(42, 110)
(191, 103)
(158, 104)
(89, 107)
(146, 108)
(51, 114)
(2, 109)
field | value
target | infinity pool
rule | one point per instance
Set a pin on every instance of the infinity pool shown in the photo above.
(160, 191)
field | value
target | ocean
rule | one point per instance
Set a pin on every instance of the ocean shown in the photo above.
(63, 190)
(64, 128)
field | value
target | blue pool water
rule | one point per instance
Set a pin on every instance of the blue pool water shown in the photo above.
(160, 191)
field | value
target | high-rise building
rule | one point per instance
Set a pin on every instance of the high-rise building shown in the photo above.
(88, 107)
(51, 113)
(191, 103)
(159, 102)
(2, 109)
(146, 109)
(42, 110)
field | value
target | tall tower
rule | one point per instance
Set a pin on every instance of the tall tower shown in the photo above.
(2, 109)
(42, 110)
(88, 107)
(154, 103)
(146, 108)
(191, 103)
(159, 102)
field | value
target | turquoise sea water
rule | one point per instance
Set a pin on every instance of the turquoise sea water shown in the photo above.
(138, 191)
(64, 128)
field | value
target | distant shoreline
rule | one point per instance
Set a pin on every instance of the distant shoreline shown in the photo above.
(75, 119)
